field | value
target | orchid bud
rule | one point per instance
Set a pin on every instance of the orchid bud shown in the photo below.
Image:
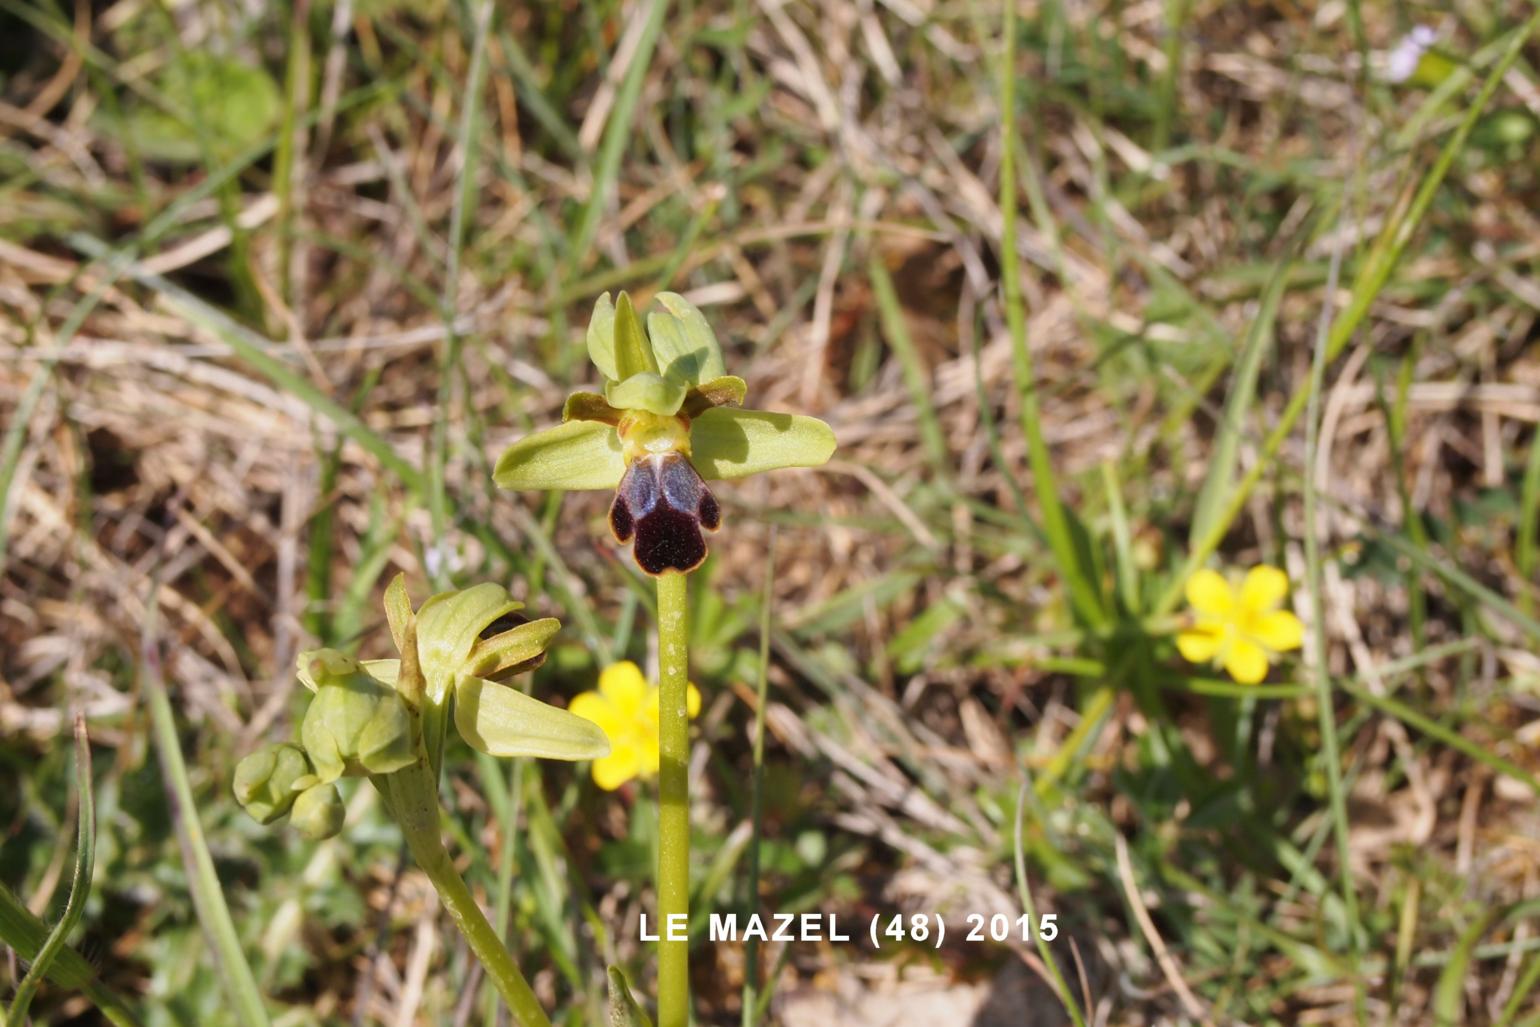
(356, 724)
(318, 812)
(264, 780)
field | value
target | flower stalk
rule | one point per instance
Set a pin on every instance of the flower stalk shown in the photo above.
(673, 796)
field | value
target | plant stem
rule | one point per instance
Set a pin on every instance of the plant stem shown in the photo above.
(673, 798)
(413, 795)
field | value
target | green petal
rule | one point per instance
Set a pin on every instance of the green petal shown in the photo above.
(601, 337)
(398, 611)
(646, 391)
(683, 342)
(503, 721)
(575, 455)
(490, 657)
(726, 390)
(632, 353)
(589, 406)
(727, 442)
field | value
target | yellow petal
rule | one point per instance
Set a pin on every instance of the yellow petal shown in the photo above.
(616, 769)
(1198, 645)
(595, 707)
(1209, 593)
(1265, 588)
(624, 686)
(648, 756)
(1280, 631)
(692, 701)
(1245, 661)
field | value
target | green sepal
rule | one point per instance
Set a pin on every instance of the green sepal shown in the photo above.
(684, 344)
(509, 652)
(646, 391)
(398, 611)
(447, 628)
(503, 721)
(571, 456)
(633, 355)
(265, 779)
(726, 442)
(589, 406)
(624, 1010)
(722, 391)
(356, 724)
(601, 337)
(318, 812)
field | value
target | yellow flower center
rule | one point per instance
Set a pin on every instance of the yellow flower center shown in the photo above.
(643, 433)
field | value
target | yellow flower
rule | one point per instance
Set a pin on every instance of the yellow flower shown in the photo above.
(1241, 630)
(625, 707)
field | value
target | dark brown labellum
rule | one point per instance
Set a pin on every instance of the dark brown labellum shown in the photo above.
(662, 504)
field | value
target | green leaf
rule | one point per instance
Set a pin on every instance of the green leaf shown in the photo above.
(503, 721)
(624, 1010)
(646, 391)
(575, 455)
(601, 337)
(683, 342)
(632, 353)
(730, 443)
(219, 102)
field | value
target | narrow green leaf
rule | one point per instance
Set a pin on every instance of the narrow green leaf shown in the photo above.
(1222, 458)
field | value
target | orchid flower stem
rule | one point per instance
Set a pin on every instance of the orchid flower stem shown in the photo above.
(413, 799)
(673, 798)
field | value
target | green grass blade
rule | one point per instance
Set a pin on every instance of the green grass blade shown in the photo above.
(1222, 459)
(1056, 525)
(1331, 753)
(80, 886)
(1371, 280)
(257, 352)
(896, 331)
(617, 130)
(751, 1005)
(203, 881)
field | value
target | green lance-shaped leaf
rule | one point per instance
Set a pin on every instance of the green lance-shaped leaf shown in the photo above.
(356, 724)
(633, 354)
(503, 721)
(727, 442)
(646, 391)
(264, 780)
(574, 456)
(682, 340)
